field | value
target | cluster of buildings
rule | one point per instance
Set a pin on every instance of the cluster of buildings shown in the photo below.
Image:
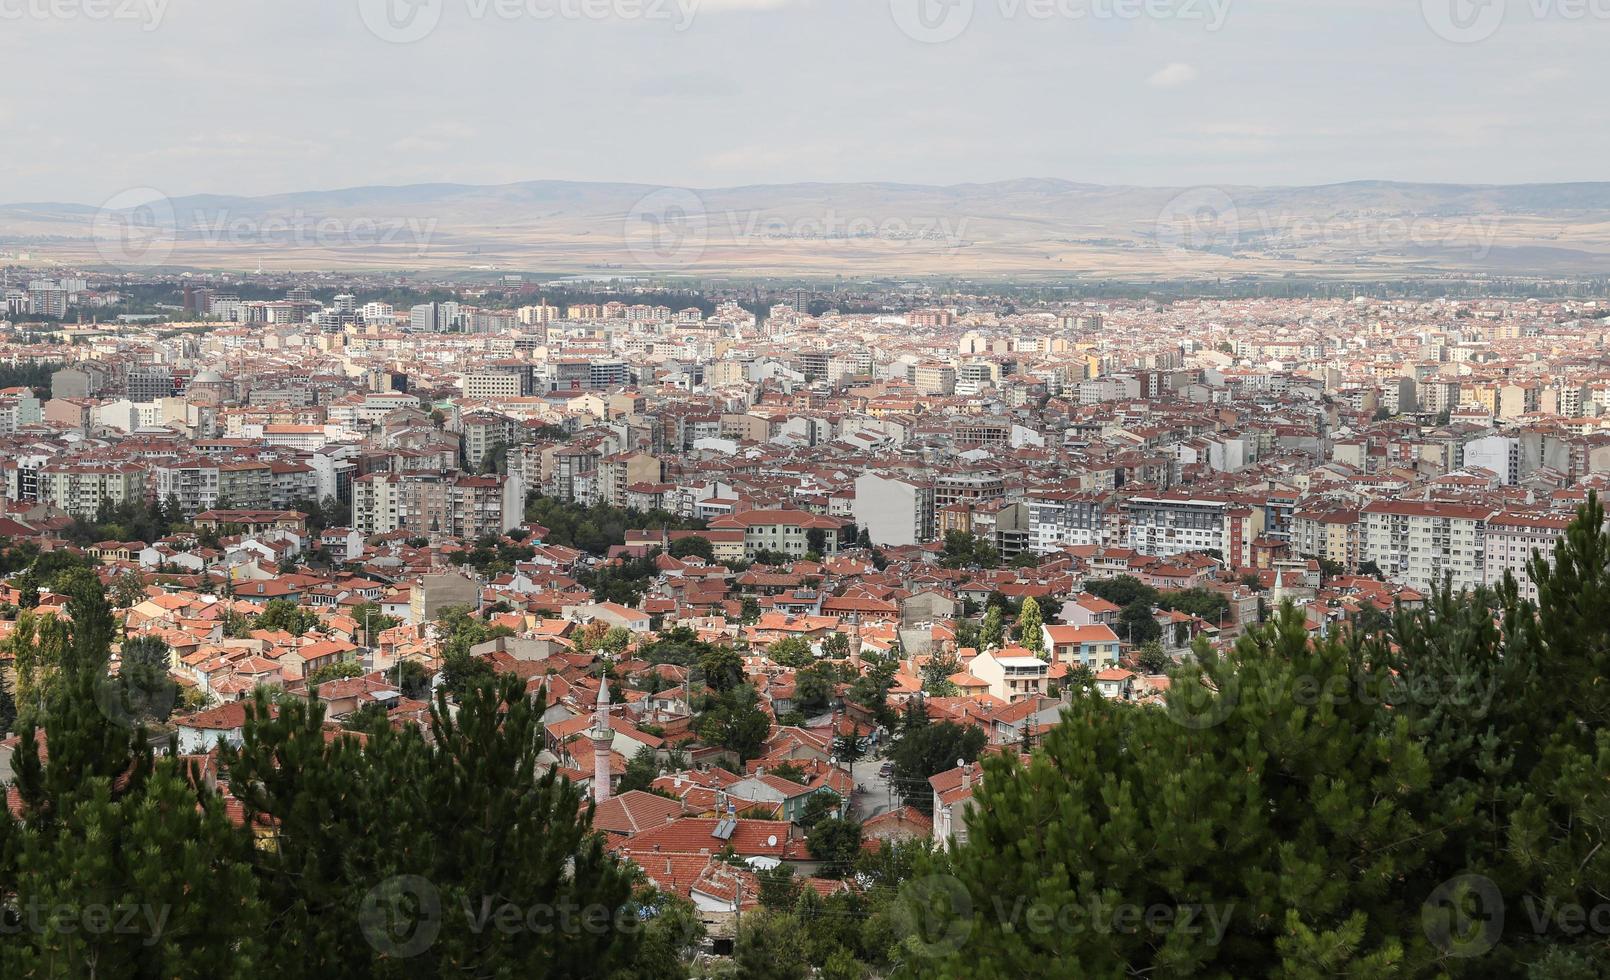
(864, 482)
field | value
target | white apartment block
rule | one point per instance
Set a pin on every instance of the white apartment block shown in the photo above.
(443, 503)
(1420, 543)
(1058, 518)
(1513, 537)
(80, 488)
(894, 512)
(194, 483)
(1501, 454)
(1170, 525)
(491, 386)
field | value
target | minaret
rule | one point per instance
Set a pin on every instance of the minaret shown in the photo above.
(602, 736)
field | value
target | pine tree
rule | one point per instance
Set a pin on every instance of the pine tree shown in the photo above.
(991, 633)
(1029, 622)
(1357, 805)
(479, 832)
(121, 865)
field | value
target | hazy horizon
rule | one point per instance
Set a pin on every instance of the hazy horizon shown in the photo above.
(264, 97)
(1024, 178)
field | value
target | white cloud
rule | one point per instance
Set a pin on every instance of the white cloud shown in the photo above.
(1171, 75)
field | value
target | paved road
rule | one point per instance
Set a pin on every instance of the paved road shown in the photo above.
(877, 798)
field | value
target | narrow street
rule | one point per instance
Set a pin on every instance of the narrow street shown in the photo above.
(877, 797)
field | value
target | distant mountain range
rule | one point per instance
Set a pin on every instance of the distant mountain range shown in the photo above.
(1030, 228)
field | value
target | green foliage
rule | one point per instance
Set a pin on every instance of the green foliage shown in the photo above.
(128, 589)
(693, 546)
(814, 687)
(849, 748)
(112, 835)
(770, 946)
(788, 771)
(341, 670)
(836, 843)
(1125, 590)
(963, 550)
(321, 514)
(491, 556)
(680, 646)
(597, 528)
(1137, 624)
(481, 822)
(750, 609)
(1029, 622)
(372, 621)
(283, 614)
(131, 520)
(146, 684)
(822, 805)
(871, 689)
(1205, 603)
(992, 633)
(928, 750)
(1152, 659)
(735, 722)
(641, 771)
(723, 668)
(792, 651)
(1352, 806)
(623, 581)
(461, 672)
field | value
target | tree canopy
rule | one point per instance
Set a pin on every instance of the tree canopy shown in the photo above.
(1431, 804)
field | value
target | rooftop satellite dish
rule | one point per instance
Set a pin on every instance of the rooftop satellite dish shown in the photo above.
(771, 841)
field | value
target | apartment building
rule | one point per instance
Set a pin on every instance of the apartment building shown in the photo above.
(18, 407)
(1331, 534)
(1012, 674)
(1420, 543)
(934, 379)
(894, 511)
(787, 531)
(1168, 525)
(192, 482)
(485, 430)
(492, 386)
(81, 488)
(1513, 537)
(619, 471)
(248, 484)
(1064, 517)
(447, 502)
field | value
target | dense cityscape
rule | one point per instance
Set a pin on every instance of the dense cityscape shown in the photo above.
(804, 490)
(782, 586)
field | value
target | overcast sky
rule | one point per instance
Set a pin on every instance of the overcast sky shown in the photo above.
(263, 96)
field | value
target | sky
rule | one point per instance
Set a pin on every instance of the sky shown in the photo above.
(269, 96)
